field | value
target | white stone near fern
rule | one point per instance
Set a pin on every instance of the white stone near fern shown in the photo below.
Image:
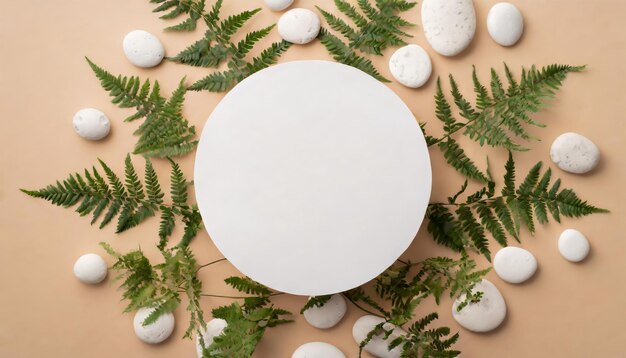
(318, 350)
(514, 264)
(328, 315)
(143, 49)
(214, 328)
(574, 153)
(505, 23)
(449, 25)
(90, 268)
(483, 316)
(299, 26)
(91, 124)
(157, 331)
(377, 346)
(278, 5)
(410, 65)
(573, 245)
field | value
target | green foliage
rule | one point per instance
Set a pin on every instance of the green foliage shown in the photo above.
(192, 8)
(405, 287)
(164, 132)
(129, 201)
(466, 224)
(499, 117)
(316, 301)
(375, 28)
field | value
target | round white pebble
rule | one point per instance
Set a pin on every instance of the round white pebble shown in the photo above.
(278, 5)
(143, 49)
(299, 26)
(377, 346)
(505, 23)
(156, 332)
(317, 350)
(214, 328)
(91, 124)
(574, 153)
(573, 245)
(90, 268)
(328, 315)
(514, 264)
(449, 25)
(485, 315)
(410, 65)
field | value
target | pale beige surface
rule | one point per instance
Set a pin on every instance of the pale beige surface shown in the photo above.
(567, 310)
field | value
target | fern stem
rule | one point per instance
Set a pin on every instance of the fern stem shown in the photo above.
(211, 263)
(361, 308)
(238, 297)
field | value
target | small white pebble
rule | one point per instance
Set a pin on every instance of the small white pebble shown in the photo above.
(483, 316)
(514, 264)
(318, 350)
(156, 332)
(214, 328)
(143, 49)
(90, 268)
(378, 346)
(573, 245)
(278, 5)
(505, 24)
(574, 153)
(299, 26)
(91, 124)
(410, 65)
(328, 315)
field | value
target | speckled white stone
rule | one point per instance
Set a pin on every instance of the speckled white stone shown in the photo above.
(90, 268)
(278, 5)
(410, 65)
(514, 264)
(328, 315)
(143, 49)
(485, 315)
(573, 245)
(449, 25)
(378, 347)
(156, 332)
(574, 153)
(505, 23)
(214, 328)
(299, 26)
(317, 350)
(91, 124)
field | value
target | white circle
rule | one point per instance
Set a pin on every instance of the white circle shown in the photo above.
(90, 268)
(299, 26)
(143, 49)
(573, 245)
(312, 177)
(157, 331)
(410, 65)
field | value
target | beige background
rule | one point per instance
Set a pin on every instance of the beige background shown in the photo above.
(567, 310)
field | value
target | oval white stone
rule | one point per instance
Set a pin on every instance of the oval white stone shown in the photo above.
(91, 124)
(317, 350)
(449, 25)
(214, 328)
(505, 23)
(378, 346)
(410, 65)
(143, 49)
(485, 315)
(278, 5)
(90, 268)
(156, 332)
(514, 264)
(573, 245)
(574, 153)
(328, 315)
(299, 26)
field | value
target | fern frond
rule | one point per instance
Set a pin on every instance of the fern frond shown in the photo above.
(317, 301)
(175, 8)
(248, 286)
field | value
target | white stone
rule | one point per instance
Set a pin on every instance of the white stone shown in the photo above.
(329, 314)
(157, 331)
(299, 26)
(378, 346)
(514, 264)
(91, 124)
(90, 268)
(278, 5)
(143, 49)
(449, 25)
(410, 65)
(214, 328)
(574, 153)
(505, 23)
(317, 350)
(573, 245)
(483, 316)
